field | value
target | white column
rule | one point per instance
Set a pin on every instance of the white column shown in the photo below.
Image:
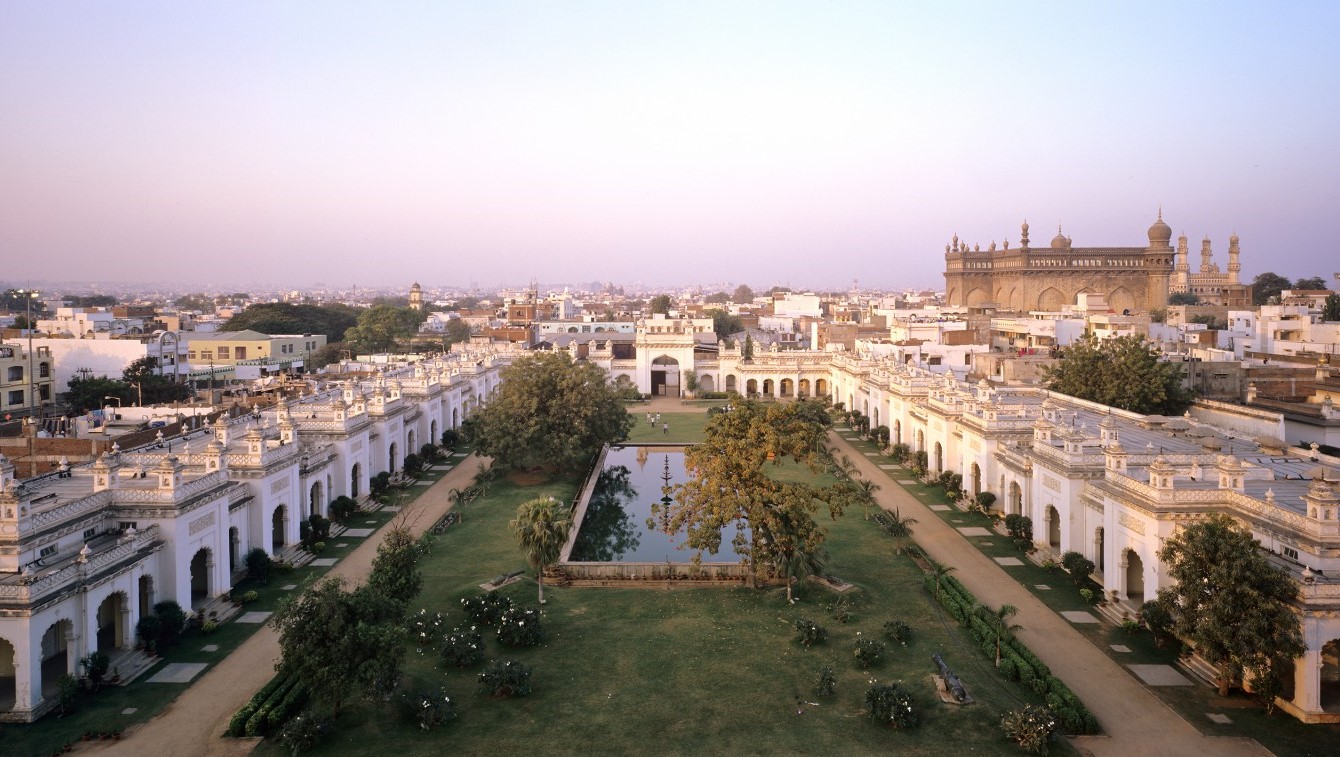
(1307, 681)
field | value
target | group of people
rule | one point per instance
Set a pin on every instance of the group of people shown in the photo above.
(654, 418)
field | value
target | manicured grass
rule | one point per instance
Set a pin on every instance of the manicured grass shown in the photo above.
(686, 671)
(101, 711)
(1280, 733)
(685, 428)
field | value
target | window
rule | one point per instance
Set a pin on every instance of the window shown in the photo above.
(240, 353)
(44, 391)
(126, 525)
(16, 397)
(1291, 552)
(206, 354)
(43, 370)
(89, 533)
(225, 353)
(190, 355)
(15, 373)
(46, 551)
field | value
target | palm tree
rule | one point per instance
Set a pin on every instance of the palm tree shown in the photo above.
(941, 572)
(999, 621)
(865, 489)
(900, 527)
(800, 564)
(541, 525)
(457, 503)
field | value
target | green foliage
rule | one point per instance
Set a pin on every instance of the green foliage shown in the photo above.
(342, 507)
(425, 627)
(747, 351)
(95, 666)
(725, 324)
(1330, 311)
(258, 564)
(395, 572)
(899, 452)
(1031, 728)
(898, 632)
(1123, 372)
(840, 609)
(1313, 284)
(91, 300)
(890, 704)
(1078, 566)
(661, 303)
(1158, 315)
(144, 384)
(380, 327)
(86, 394)
(868, 652)
(827, 684)
(1268, 285)
(148, 629)
(810, 633)
(520, 627)
(486, 609)
(287, 318)
(743, 295)
(463, 647)
(172, 620)
(67, 693)
(430, 709)
(303, 732)
(550, 411)
(541, 526)
(1183, 298)
(505, 678)
(1156, 616)
(1020, 529)
(1228, 601)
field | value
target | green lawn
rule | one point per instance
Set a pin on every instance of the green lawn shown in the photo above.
(102, 711)
(687, 671)
(685, 428)
(1279, 733)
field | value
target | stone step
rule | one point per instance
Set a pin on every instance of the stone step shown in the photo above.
(130, 665)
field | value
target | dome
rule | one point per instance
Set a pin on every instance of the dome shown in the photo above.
(1059, 242)
(1160, 233)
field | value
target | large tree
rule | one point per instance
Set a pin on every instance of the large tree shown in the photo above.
(1330, 311)
(1228, 601)
(550, 411)
(1122, 372)
(661, 303)
(287, 318)
(729, 484)
(1313, 284)
(725, 324)
(381, 326)
(542, 525)
(743, 294)
(1267, 285)
(154, 389)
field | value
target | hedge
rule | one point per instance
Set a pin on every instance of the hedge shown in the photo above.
(237, 725)
(1017, 661)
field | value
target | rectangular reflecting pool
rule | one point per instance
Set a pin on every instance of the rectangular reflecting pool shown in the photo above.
(616, 523)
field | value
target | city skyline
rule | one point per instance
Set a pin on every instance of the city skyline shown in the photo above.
(760, 143)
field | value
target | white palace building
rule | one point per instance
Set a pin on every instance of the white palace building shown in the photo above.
(82, 557)
(85, 552)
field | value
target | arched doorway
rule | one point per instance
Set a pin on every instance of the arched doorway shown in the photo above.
(730, 382)
(200, 566)
(921, 442)
(1328, 683)
(355, 475)
(146, 586)
(234, 549)
(897, 432)
(767, 387)
(433, 437)
(1135, 576)
(707, 383)
(113, 622)
(976, 480)
(409, 443)
(55, 655)
(277, 523)
(1053, 528)
(665, 377)
(455, 418)
(391, 458)
(1099, 548)
(1016, 499)
(803, 390)
(314, 500)
(820, 387)
(787, 388)
(751, 387)
(874, 418)
(939, 458)
(8, 677)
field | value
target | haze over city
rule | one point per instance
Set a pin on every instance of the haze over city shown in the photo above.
(666, 142)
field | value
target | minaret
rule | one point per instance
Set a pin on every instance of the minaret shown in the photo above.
(416, 296)
(1158, 263)
(1206, 266)
(1234, 265)
(1023, 236)
(1182, 271)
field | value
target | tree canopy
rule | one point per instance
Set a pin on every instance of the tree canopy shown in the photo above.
(1183, 298)
(725, 324)
(1229, 602)
(742, 294)
(1267, 285)
(91, 300)
(1331, 310)
(381, 326)
(1314, 284)
(288, 318)
(550, 412)
(728, 483)
(661, 303)
(717, 298)
(1123, 372)
(195, 301)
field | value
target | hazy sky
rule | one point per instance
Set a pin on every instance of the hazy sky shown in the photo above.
(804, 143)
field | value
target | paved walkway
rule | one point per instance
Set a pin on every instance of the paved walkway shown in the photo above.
(194, 723)
(1134, 720)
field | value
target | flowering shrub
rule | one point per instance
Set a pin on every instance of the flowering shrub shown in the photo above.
(1031, 728)
(463, 647)
(486, 609)
(891, 704)
(505, 678)
(520, 627)
(898, 632)
(430, 709)
(425, 627)
(809, 633)
(869, 652)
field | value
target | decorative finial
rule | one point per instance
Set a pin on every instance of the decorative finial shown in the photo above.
(1160, 211)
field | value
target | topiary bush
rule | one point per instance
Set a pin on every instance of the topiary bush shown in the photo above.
(898, 632)
(868, 652)
(342, 507)
(890, 704)
(258, 564)
(486, 609)
(810, 633)
(1031, 728)
(172, 620)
